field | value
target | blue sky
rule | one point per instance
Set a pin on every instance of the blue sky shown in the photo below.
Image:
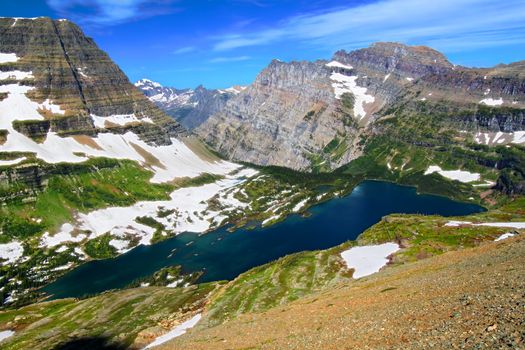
(219, 43)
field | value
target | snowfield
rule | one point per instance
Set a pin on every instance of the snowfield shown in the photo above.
(347, 84)
(366, 260)
(190, 214)
(175, 332)
(458, 175)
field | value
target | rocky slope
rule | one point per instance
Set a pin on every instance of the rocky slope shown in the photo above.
(190, 107)
(313, 115)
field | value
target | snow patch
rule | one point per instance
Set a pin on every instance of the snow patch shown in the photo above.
(492, 102)
(516, 225)
(336, 64)
(55, 109)
(300, 205)
(6, 334)
(367, 260)
(8, 57)
(347, 84)
(120, 245)
(175, 332)
(12, 161)
(11, 252)
(504, 236)
(459, 175)
(16, 75)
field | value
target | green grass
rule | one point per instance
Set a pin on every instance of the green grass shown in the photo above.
(276, 283)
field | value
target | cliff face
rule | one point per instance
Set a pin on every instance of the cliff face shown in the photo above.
(288, 115)
(310, 115)
(72, 73)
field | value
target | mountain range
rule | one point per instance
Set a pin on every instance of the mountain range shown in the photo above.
(190, 107)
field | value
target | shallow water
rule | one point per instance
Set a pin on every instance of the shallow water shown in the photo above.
(224, 255)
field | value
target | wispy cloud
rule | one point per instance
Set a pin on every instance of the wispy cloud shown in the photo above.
(229, 59)
(447, 24)
(111, 12)
(184, 50)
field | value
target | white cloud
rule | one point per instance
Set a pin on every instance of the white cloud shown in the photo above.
(445, 24)
(229, 59)
(184, 50)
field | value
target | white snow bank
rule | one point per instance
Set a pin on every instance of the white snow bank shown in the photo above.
(12, 161)
(119, 119)
(504, 236)
(459, 175)
(8, 57)
(493, 138)
(367, 260)
(492, 102)
(517, 225)
(55, 109)
(347, 84)
(299, 205)
(6, 334)
(16, 74)
(11, 252)
(175, 332)
(336, 64)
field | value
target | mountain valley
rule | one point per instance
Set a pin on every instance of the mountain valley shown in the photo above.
(93, 166)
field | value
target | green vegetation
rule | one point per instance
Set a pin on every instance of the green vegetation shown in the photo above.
(278, 282)
(99, 248)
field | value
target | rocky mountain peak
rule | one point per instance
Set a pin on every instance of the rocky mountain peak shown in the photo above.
(388, 57)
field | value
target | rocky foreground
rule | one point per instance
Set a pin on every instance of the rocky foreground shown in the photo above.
(468, 299)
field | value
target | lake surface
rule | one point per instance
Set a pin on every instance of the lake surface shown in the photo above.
(224, 255)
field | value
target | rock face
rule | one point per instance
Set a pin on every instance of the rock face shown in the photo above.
(69, 70)
(286, 117)
(190, 107)
(62, 100)
(310, 115)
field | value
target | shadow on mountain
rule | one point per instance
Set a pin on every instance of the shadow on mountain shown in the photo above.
(90, 343)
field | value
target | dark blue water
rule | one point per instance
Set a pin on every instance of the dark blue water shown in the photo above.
(224, 255)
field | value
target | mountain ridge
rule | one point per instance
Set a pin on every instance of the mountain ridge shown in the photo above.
(293, 110)
(190, 107)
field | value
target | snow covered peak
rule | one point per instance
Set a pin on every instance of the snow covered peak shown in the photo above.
(146, 82)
